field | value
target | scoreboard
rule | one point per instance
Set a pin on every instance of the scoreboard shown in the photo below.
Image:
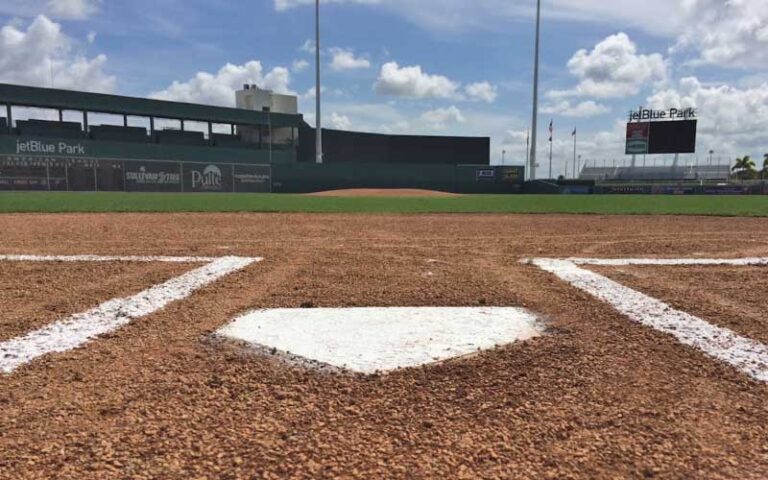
(661, 137)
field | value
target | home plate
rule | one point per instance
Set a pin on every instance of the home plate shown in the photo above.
(370, 340)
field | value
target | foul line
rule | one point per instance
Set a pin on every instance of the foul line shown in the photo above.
(97, 258)
(672, 262)
(77, 330)
(745, 354)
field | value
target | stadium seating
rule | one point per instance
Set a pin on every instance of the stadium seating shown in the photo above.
(116, 133)
(50, 129)
(180, 137)
(667, 173)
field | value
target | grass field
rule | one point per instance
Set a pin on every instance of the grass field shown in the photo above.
(755, 206)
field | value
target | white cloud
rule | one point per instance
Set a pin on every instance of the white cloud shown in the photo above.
(727, 33)
(345, 60)
(299, 66)
(281, 5)
(340, 122)
(42, 54)
(482, 91)
(308, 47)
(412, 82)
(584, 109)
(91, 37)
(72, 9)
(613, 69)
(439, 118)
(730, 119)
(219, 88)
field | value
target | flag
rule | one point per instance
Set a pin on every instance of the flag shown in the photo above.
(574, 132)
(551, 129)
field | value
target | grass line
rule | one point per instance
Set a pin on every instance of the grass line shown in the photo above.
(68, 202)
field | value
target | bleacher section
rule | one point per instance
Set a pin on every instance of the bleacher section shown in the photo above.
(113, 133)
(677, 174)
(50, 129)
(180, 137)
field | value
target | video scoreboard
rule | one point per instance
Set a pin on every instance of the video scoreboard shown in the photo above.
(674, 132)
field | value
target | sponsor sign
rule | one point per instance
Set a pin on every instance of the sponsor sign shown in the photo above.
(512, 174)
(638, 136)
(207, 177)
(486, 174)
(672, 190)
(252, 178)
(645, 114)
(152, 176)
(727, 190)
(40, 147)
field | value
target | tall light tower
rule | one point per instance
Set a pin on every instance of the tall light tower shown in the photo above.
(318, 113)
(535, 121)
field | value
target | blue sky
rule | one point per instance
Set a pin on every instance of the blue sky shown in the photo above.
(427, 67)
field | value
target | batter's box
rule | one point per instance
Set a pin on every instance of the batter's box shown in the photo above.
(745, 354)
(77, 330)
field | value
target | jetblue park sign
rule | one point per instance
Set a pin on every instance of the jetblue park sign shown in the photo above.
(645, 114)
(39, 147)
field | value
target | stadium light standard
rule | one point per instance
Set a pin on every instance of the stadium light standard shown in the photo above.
(318, 113)
(534, 126)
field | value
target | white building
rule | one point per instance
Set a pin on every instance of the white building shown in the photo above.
(251, 97)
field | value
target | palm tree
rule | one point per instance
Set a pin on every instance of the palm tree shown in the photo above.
(765, 165)
(745, 168)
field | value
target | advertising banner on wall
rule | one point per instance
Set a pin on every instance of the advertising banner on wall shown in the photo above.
(638, 135)
(252, 178)
(152, 176)
(206, 177)
(20, 176)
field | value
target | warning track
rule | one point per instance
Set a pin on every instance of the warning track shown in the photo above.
(598, 396)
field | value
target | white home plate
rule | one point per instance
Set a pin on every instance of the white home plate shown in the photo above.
(370, 340)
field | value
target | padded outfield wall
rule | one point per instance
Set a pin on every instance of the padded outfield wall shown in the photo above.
(81, 165)
(342, 147)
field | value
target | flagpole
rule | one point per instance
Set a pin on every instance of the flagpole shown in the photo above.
(574, 153)
(318, 89)
(551, 138)
(527, 148)
(534, 122)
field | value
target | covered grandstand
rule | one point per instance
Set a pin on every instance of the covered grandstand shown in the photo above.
(689, 173)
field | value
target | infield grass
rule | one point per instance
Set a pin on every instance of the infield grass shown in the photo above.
(60, 202)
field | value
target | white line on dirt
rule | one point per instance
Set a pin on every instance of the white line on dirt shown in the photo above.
(621, 262)
(368, 340)
(77, 330)
(97, 258)
(747, 355)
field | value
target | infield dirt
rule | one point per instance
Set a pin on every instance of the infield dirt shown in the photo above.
(598, 397)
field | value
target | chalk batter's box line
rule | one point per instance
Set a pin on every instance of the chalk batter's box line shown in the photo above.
(77, 330)
(746, 355)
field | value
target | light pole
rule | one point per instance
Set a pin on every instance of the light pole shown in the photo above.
(503, 157)
(535, 120)
(318, 112)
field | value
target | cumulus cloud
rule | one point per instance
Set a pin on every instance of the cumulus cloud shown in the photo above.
(482, 91)
(219, 88)
(344, 59)
(732, 33)
(340, 122)
(729, 118)
(299, 66)
(59, 9)
(613, 68)
(439, 118)
(42, 54)
(413, 82)
(281, 5)
(584, 109)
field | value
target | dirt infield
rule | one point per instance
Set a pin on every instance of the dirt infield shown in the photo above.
(597, 397)
(384, 192)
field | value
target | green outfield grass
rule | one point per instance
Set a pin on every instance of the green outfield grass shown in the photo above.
(55, 202)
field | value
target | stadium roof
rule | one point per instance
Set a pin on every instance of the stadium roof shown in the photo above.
(17, 95)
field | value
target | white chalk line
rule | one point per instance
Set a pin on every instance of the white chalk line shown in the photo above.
(621, 262)
(79, 329)
(98, 258)
(745, 354)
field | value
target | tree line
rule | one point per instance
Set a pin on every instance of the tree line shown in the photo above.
(746, 168)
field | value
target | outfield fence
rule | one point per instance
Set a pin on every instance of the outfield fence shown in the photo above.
(20, 173)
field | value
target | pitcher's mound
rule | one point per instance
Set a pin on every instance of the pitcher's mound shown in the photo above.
(383, 192)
